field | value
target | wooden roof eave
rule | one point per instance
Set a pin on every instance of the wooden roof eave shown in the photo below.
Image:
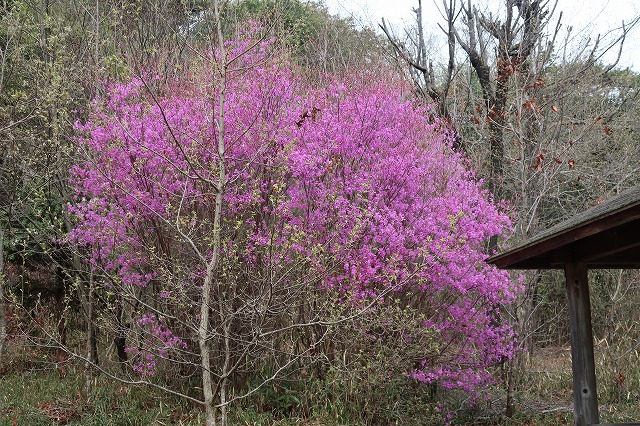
(605, 236)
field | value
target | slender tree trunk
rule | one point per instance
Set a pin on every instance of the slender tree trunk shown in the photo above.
(86, 302)
(212, 266)
(225, 378)
(92, 340)
(205, 350)
(61, 352)
(85, 294)
(3, 325)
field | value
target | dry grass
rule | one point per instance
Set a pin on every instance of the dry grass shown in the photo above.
(33, 392)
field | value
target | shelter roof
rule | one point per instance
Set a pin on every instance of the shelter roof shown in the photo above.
(604, 236)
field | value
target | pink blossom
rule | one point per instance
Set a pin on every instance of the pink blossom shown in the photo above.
(353, 181)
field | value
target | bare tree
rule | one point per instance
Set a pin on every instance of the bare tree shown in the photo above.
(413, 52)
(534, 117)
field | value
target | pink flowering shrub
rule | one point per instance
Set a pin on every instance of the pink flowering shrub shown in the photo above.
(350, 191)
(155, 334)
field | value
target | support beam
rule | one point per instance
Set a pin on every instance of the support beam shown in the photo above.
(585, 398)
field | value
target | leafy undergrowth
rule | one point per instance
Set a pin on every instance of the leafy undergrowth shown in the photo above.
(544, 395)
(44, 397)
(32, 392)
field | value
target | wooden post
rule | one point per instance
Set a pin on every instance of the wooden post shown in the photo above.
(585, 398)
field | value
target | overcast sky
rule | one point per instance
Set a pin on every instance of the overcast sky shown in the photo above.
(588, 17)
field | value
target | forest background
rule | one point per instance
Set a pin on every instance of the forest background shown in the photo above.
(548, 126)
